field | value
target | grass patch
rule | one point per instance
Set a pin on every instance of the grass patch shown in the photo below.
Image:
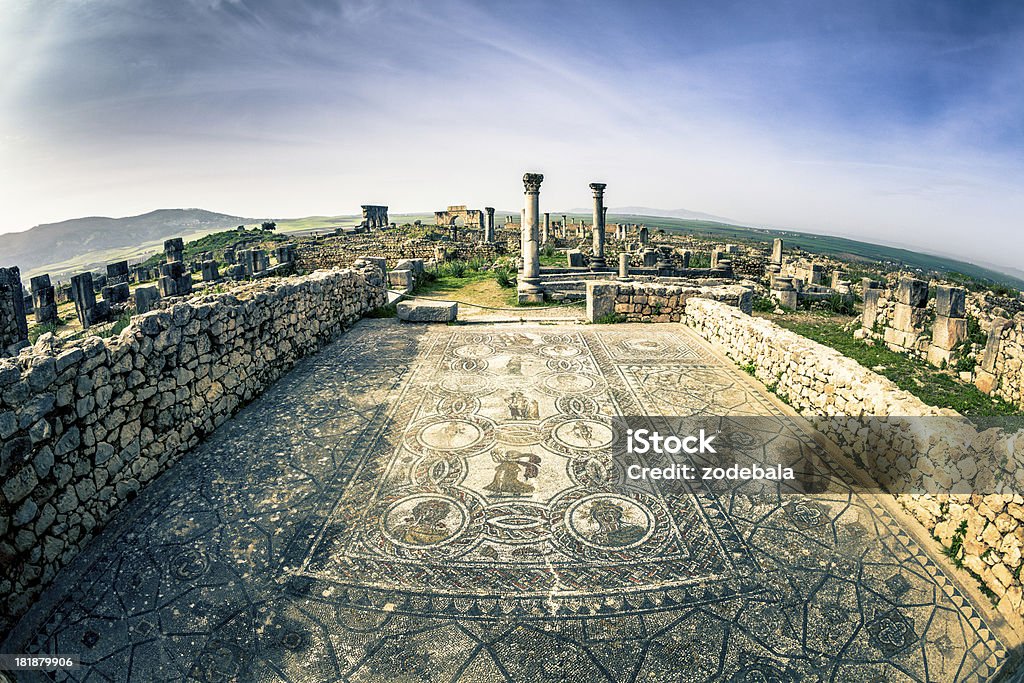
(610, 319)
(911, 374)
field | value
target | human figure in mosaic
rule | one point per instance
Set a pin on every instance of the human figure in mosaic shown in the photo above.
(612, 530)
(425, 523)
(506, 473)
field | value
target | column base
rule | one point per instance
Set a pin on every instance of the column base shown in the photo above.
(531, 297)
(596, 263)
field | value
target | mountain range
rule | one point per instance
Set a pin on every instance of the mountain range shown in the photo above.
(56, 242)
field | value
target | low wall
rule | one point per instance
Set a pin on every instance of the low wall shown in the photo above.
(342, 251)
(85, 427)
(657, 303)
(960, 482)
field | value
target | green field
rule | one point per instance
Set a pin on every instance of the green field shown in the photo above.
(838, 247)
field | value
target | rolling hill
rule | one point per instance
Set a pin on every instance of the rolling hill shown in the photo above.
(55, 242)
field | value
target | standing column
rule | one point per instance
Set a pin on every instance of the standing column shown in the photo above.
(598, 228)
(489, 225)
(529, 280)
(547, 227)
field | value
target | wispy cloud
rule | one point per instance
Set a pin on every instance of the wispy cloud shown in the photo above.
(856, 118)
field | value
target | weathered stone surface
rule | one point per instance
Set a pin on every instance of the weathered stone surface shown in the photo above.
(428, 311)
(75, 422)
(244, 537)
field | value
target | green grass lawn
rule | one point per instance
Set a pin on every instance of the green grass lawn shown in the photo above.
(932, 386)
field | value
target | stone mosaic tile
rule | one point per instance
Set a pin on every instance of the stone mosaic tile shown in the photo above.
(439, 504)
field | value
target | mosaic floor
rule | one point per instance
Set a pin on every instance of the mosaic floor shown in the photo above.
(439, 504)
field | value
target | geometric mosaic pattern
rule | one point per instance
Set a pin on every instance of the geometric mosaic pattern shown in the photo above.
(441, 504)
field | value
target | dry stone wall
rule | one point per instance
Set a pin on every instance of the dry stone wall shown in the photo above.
(959, 481)
(1001, 372)
(658, 303)
(84, 427)
(343, 251)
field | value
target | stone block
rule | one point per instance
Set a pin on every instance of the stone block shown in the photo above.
(146, 298)
(210, 273)
(907, 318)
(947, 333)
(601, 300)
(938, 356)
(786, 298)
(950, 302)
(870, 313)
(428, 311)
(402, 280)
(995, 339)
(574, 258)
(912, 292)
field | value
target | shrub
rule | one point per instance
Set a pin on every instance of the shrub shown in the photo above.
(763, 304)
(505, 276)
(454, 269)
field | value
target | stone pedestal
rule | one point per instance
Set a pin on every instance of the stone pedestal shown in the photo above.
(624, 266)
(601, 300)
(529, 290)
(597, 230)
(784, 293)
(574, 258)
(428, 311)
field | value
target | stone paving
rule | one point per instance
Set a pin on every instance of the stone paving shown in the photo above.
(438, 504)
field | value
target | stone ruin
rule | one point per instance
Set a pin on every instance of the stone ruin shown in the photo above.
(794, 280)
(117, 272)
(89, 310)
(13, 325)
(44, 300)
(174, 280)
(471, 218)
(374, 217)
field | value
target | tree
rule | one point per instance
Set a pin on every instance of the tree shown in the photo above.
(268, 226)
(240, 228)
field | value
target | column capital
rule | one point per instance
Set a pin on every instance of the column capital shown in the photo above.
(598, 188)
(532, 181)
(489, 209)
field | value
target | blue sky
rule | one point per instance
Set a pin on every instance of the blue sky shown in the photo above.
(890, 121)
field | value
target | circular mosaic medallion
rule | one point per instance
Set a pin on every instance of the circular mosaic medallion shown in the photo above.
(610, 522)
(424, 521)
(474, 351)
(560, 350)
(578, 435)
(450, 435)
(463, 383)
(458, 404)
(446, 437)
(562, 383)
(609, 526)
